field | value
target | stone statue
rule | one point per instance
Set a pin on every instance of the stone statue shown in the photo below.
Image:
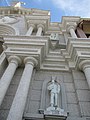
(54, 89)
(54, 108)
(19, 4)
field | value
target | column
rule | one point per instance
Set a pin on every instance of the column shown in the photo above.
(40, 29)
(71, 30)
(85, 67)
(29, 32)
(14, 61)
(18, 105)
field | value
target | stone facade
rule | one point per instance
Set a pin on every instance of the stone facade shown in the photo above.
(33, 50)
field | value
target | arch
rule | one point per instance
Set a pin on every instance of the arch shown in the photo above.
(8, 30)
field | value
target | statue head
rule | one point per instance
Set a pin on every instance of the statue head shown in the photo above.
(53, 79)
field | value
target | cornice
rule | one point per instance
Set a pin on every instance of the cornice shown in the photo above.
(27, 10)
(24, 46)
(37, 47)
(77, 50)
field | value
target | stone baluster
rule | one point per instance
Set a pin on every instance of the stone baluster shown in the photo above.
(40, 28)
(85, 67)
(30, 30)
(18, 105)
(14, 61)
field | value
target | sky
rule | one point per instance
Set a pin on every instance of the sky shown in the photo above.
(58, 8)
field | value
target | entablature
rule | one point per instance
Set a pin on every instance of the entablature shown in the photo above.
(37, 47)
(69, 21)
(26, 46)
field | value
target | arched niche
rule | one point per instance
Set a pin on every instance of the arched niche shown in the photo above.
(8, 30)
(45, 98)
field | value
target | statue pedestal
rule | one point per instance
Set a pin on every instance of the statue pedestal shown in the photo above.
(58, 114)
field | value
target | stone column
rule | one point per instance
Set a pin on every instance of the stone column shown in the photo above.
(18, 105)
(14, 61)
(30, 30)
(40, 29)
(71, 30)
(85, 67)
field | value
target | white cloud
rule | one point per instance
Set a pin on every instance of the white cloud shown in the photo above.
(74, 7)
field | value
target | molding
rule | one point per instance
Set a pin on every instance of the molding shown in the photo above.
(69, 21)
(37, 47)
(27, 11)
(77, 50)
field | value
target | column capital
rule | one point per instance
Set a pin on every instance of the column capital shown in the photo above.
(32, 25)
(40, 25)
(15, 59)
(31, 60)
(70, 27)
(84, 64)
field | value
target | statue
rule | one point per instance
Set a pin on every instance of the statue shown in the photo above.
(19, 4)
(54, 89)
(55, 99)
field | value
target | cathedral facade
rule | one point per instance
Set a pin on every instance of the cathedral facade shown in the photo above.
(44, 66)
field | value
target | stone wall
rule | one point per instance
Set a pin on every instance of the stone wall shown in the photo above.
(72, 95)
(83, 93)
(76, 88)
